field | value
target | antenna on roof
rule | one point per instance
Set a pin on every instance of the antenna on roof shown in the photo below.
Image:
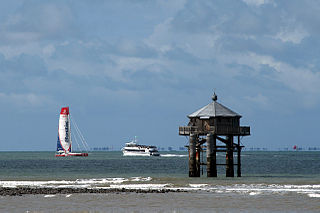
(214, 96)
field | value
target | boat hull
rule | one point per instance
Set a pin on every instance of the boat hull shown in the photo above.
(71, 154)
(131, 153)
(134, 149)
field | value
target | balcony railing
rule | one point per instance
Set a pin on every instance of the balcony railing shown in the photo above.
(244, 130)
(220, 130)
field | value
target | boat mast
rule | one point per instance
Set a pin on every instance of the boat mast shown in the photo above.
(69, 127)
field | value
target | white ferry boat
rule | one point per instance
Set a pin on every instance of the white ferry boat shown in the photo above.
(134, 149)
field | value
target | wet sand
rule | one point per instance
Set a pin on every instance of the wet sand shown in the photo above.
(159, 202)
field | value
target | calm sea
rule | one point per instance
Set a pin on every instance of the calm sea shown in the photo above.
(271, 181)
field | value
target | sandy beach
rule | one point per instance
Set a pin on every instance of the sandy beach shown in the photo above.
(159, 202)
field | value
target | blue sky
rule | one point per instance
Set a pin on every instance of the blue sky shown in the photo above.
(130, 68)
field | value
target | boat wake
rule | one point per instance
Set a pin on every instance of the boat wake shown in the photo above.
(172, 155)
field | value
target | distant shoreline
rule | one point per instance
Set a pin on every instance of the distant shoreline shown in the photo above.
(317, 149)
(19, 191)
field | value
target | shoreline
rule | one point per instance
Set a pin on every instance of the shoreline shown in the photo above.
(19, 191)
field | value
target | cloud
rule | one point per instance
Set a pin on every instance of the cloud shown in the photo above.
(192, 45)
(266, 42)
(132, 48)
(260, 100)
(126, 59)
(295, 35)
(24, 66)
(257, 2)
(48, 50)
(36, 20)
(24, 100)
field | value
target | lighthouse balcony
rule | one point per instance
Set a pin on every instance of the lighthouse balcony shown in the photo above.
(220, 130)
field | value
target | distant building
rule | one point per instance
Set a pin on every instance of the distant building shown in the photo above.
(100, 149)
(182, 148)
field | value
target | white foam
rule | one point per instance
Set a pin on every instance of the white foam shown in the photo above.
(79, 183)
(254, 193)
(101, 181)
(172, 155)
(140, 179)
(68, 195)
(302, 186)
(314, 195)
(142, 183)
(140, 186)
(198, 185)
(13, 184)
(49, 195)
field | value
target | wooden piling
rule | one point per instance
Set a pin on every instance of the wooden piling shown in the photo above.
(229, 157)
(239, 158)
(211, 156)
(198, 153)
(192, 155)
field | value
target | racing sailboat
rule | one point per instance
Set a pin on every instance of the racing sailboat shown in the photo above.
(64, 142)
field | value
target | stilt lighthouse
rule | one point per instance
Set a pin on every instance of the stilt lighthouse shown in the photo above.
(214, 122)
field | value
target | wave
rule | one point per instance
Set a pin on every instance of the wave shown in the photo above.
(79, 183)
(49, 195)
(314, 195)
(147, 183)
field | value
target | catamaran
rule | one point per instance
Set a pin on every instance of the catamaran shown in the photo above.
(64, 142)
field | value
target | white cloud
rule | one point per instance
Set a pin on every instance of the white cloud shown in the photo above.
(24, 99)
(260, 100)
(267, 40)
(299, 79)
(35, 21)
(257, 2)
(158, 55)
(292, 35)
(303, 82)
(48, 50)
(196, 41)
(116, 94)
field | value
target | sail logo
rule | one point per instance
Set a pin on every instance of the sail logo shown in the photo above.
(66, 127)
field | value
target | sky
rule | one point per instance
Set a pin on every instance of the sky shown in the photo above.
(137, 68)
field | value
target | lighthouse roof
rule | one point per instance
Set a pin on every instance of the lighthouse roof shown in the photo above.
(214, 109)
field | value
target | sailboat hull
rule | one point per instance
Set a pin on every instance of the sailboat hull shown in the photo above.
(70, 154)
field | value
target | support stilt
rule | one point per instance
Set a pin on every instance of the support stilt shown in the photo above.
(229, 157)
(198, 153)
(211, 156)
(239, 158)
(192, 156)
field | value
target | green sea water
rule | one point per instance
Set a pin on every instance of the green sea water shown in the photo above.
(45, 166)
(270, 182)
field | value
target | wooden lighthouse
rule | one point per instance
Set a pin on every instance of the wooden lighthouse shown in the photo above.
(207, 125)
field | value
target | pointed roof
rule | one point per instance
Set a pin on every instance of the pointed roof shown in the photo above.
(214, 109)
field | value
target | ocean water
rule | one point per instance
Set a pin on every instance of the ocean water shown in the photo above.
(270, 182)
